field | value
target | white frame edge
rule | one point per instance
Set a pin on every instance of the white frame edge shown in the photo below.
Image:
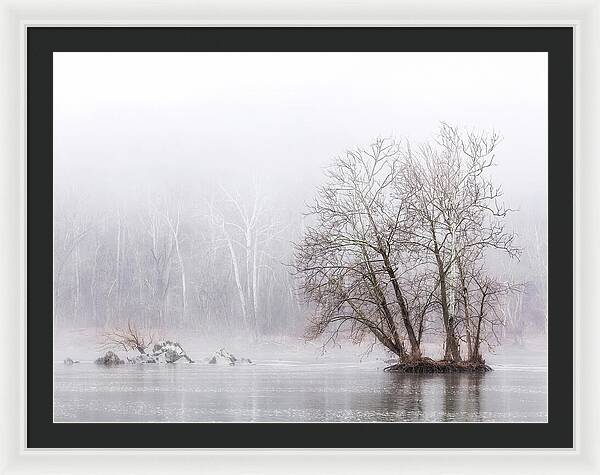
(16, 15)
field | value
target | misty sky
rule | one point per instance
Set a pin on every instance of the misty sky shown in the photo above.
(129, 120)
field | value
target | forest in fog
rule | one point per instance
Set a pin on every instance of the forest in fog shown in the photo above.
(225, 261)
(216, 261)
(196, 200)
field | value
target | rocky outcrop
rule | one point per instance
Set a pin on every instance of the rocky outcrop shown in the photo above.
(169, 352)
(223, 357)
(109, 359)
(162, 352)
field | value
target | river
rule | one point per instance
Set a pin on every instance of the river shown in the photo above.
(295, 391)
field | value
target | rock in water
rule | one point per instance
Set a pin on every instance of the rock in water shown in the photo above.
(171, 356)
(162, 352)
(109, 359)
(141, 359)
(169, 352)
(223, 357)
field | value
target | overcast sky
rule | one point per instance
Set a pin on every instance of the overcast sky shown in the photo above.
(124, 120)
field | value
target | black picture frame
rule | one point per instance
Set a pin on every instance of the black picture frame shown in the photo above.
(43, 433)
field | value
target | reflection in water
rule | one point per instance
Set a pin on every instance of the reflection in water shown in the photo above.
(407, 388)
(454, 396)
(450, 396)
(294, 392)
(474, 394)
(461, 393)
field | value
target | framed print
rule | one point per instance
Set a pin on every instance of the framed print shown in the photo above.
(212, 267)
(264, 242)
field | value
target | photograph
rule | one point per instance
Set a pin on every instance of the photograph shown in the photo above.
(299, 237)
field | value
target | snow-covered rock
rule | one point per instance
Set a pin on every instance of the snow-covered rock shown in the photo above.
(169, 352)
(162, 352)
(223, 357)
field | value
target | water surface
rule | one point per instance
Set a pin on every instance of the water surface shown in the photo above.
(279, 391)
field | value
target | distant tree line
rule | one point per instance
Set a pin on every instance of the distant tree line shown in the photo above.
(212, 262)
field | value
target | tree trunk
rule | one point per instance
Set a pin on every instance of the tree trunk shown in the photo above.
(465, 297)
(255, 283)
(93, 285)
(76, 313)
(238, 282)
(451, 351)
(175, 233)
(414, 342)
(476, 356)
(382, 302)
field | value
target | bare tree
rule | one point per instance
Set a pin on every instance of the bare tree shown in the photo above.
(128, 338)
(538, 261)
(458, 214)
(71, 228)
(348, 262)
(162, 260)
(401, 235)
(247, 231)
(487, 295)
(175, 228)
(157, 277)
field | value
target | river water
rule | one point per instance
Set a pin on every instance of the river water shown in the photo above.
(295, 391)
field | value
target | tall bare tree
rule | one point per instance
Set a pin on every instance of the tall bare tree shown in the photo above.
(174, 224)
(349, 262)
(402, 234)
(247, 231)
(458, 213)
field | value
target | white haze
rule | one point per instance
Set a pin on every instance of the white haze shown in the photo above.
(129, 120)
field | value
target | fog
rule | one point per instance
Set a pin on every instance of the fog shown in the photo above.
(124, 120)
(161, 158)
